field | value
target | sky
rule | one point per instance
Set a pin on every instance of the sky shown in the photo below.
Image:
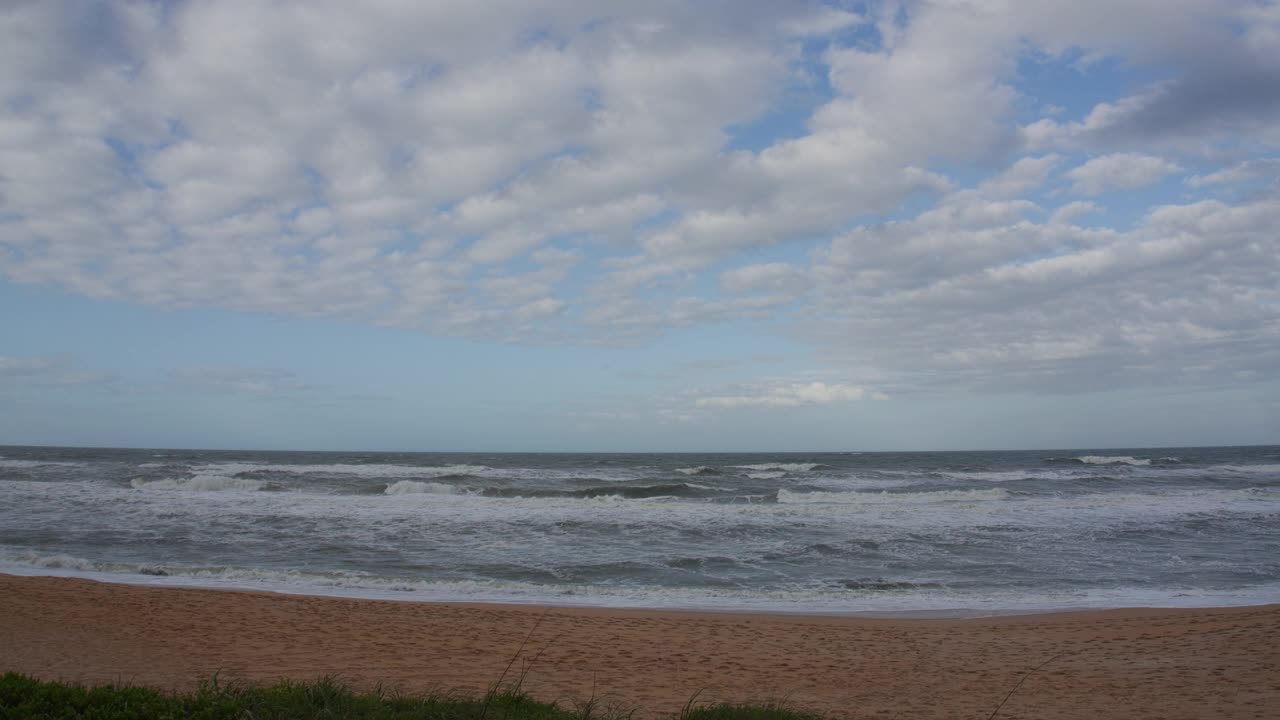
(583, 225)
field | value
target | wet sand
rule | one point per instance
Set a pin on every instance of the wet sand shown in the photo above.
(1133, 663)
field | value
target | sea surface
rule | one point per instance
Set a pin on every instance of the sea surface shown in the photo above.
(879, 533)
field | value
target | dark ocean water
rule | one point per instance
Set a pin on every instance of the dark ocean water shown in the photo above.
(820, 532)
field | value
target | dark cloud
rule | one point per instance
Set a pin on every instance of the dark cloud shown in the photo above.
(1222, 98)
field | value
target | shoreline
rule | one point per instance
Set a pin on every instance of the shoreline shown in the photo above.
(587, 603)
(1132, 662)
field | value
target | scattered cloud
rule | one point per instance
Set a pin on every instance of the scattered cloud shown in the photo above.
(984, 297)
(586, 173)
(49, 371)
(1246, 171)
(249, 382)
(776, 277)
(1119, 171)
(788, 395)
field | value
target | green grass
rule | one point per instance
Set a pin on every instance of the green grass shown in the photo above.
(25, 697)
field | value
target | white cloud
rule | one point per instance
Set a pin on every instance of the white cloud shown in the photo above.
(777, 277)
(1119, 171)
(570, 170)
(989, 298)
(318, 162)
(788, 395)
(1068, 213)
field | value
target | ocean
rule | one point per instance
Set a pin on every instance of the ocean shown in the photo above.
(931, 533)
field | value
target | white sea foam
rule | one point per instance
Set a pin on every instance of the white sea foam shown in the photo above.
(693, 470)
(1249, 469)
(998, 476)
(995, 476)
(203, 482)
(784, 467)
(414, 487)
(52, 561)
(940, 602)
(1112, 460)
(766, 475)
(894, 498)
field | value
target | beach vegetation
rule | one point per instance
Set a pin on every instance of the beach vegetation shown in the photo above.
(22, 696)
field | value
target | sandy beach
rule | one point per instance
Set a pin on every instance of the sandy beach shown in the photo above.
(1133, 663)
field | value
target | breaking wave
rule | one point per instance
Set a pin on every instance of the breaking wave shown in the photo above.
(202, 483)
(1112, 460)
(351, 469)
(20, 464)
(414, 487)
(783, 467)
(1249, 469)
(699, 470)
(892, 498)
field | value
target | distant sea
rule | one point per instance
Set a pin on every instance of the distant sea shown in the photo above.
(932, 533)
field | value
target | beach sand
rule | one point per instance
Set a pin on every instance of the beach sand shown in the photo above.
(1136, 663)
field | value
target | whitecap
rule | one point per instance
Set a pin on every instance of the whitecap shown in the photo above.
(414, 487)
(784, 467)
(198, 483)
(997, 476)
(56, 561)
(1112, 460)
(891, 498)
(693, 470)
(1250, 469)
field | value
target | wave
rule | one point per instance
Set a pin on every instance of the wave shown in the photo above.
(55, 561)
(886, 585)
(1272, 469)
(389, 471)
(617, 492)
(859, 595)
(1111, 460)
(203, 483)
(766, 475)
(784, 467)
(363, 471)
(1000, 475)
(646, 492)
(414, 487)
(891, 498)
(22, 464)
(699, 470)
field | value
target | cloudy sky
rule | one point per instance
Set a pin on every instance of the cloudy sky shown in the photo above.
(668, 225)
